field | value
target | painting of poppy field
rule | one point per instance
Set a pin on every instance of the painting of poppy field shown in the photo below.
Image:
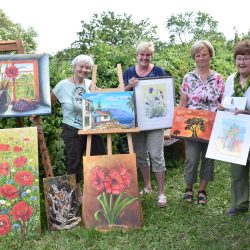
(192, 124)
(19, 184)
(111, 192)
(24, 85)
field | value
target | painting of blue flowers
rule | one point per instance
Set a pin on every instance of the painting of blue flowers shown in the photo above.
(108, 110)
(154, 103)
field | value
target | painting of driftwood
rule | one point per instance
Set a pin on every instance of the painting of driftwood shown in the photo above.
(62, 206)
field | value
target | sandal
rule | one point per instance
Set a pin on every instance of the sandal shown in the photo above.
(145, 191)
(162, 200)
(188, 196)
(202, 199)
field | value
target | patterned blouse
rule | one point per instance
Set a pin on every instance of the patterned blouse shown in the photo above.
(204, 95)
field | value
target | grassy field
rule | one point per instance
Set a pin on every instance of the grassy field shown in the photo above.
(178, 226)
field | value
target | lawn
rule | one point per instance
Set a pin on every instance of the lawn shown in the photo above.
(178, 226)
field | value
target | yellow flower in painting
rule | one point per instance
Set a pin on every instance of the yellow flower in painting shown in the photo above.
(28, 191)
(13, 170)
(8, 204)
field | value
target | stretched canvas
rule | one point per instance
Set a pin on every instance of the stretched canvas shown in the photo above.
(192, 124)
(108, 110)
(62, 205)
(24, 85)
(231, 103)
(154, 98)
(111, 192)
(19, 184)
(230, 138)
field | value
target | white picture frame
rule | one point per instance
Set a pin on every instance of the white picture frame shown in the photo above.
(229, 140)
(154, 101)
(231, 103)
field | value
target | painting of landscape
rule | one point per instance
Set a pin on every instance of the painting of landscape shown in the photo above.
(108, 110)
(192, 124)
(230, 138)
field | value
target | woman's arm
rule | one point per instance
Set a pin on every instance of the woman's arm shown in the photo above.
(183, 100)
(53, 98)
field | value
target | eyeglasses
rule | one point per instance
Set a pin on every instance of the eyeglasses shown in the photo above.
(242, 59)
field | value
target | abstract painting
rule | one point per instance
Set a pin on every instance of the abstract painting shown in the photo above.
(192, 124)
(24, 85)
(111, 192)
(62, 206)
(108, 110)
(19, 184)
(230, 138)
(154, 98)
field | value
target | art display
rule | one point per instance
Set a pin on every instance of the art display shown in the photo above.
(230, 138)
(111, 192)
(231, 103)
(192, 124)
(108, 110)
(19, 184)
(155, 101)
(61, 199)
(24, 85)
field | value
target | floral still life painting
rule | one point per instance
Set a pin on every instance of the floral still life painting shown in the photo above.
(230, 138)
(24, 85)
(111, 192)
(108, 110)
(19, 184)
(154, 98)
(192, 124)
(62, 205)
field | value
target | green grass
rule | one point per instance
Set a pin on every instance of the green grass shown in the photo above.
(178, 226)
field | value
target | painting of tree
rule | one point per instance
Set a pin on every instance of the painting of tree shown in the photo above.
(194, 125)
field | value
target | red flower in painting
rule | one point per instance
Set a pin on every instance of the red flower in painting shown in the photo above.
(8, 191)
(21, 211)
(4, 147)
(24, 178)
(5, 224)
(17, 149)
(114, 183)
(20, 161)
(11, 71)
(4, 168)
(126, 176)
(98, 178)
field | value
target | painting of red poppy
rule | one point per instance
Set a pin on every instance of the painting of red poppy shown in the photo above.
(24, 85)
(62, 204)
(19, 184)
(192, 124)
(111, 192)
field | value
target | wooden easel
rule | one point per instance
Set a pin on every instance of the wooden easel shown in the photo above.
(17, 45)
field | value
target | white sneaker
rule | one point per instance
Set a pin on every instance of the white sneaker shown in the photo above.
(162, 200)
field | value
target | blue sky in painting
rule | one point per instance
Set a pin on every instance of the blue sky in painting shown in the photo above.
(113, 100)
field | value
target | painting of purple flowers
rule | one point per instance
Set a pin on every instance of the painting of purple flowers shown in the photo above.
(154, 103)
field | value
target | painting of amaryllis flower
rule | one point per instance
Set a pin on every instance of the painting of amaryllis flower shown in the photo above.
(19, 183)
(111, 192)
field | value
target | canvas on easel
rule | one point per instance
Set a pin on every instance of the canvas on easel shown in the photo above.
(19, 184)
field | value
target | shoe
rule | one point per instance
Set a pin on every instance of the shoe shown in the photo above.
(202, 197)
(145, 191)
(234, 211)
(162, 200)
(188, 195)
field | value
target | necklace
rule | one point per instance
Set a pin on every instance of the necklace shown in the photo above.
(240, 90)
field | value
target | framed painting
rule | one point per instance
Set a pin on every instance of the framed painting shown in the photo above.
(62, 206)
(108, 110)
(24, 85)
(19, 184)
(192, 124)
(110, 195)
(154, 99)
(230, 138)
(231, 103)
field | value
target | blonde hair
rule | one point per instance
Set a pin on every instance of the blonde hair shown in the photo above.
(198, 46)
(145, 46)
(84, 59)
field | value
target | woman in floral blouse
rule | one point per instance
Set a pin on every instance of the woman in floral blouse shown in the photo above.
(201, 89)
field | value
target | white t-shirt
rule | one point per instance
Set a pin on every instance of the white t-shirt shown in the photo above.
(70, 97)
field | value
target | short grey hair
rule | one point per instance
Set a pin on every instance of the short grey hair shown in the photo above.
(83, 59)
(145, 46)
(198, 46)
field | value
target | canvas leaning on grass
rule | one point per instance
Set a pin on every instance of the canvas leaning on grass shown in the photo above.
(154, 98)
(230, 138)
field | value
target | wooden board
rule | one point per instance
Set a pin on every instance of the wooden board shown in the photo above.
(62, 206)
